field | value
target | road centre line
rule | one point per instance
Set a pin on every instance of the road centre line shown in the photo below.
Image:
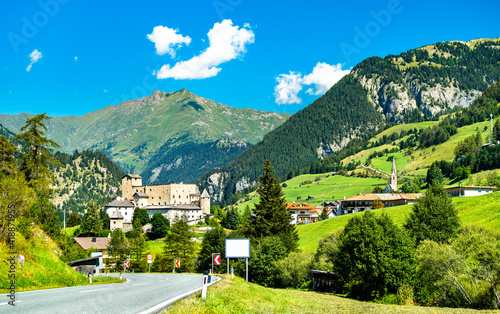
(93, 290)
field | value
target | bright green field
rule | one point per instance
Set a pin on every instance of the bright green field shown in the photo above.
(155, 248)
(481, 211)
(238, 296)
(381, 163)
(71, 231)
(444, 151)
(332, 187)
(406, 127)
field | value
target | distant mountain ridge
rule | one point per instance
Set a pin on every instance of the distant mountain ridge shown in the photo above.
(139, 134)
(410, 87)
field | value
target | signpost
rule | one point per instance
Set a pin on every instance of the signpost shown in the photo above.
(125, 265)
(150, 260)
(177, 264)
(238, 248)
(215, 260)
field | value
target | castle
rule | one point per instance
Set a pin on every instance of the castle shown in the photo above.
(170, 200)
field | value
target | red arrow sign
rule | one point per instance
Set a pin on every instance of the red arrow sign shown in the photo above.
(217, 259)
(127, 263)
(177, 263)
(150, 257)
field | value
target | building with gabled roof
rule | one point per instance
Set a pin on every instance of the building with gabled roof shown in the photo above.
(302, 213)
(98, 243)
(362, 202)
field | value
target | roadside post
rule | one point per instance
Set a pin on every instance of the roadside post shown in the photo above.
(90, 278)
(150, 260)
(125, 265)
(177, 263)
(215, 260)
(205, 284)
(238, 248)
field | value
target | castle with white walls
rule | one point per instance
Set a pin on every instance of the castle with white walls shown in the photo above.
(171, 200)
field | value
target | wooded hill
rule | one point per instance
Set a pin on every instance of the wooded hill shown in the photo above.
(84, 177)
(414, 86)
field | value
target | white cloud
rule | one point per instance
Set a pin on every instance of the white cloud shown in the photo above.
(289, 86)
(34, 56)
(76, 58)
(167, 40)
(227, 42)
(322, 77)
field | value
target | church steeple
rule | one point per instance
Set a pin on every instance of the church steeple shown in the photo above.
(394, 176)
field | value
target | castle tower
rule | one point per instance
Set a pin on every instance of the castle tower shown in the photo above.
(129, 181)
(394, 176)
(205, 202)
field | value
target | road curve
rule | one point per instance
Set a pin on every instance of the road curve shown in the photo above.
(141, 293)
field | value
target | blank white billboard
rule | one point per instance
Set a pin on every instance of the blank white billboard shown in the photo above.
(237, 248)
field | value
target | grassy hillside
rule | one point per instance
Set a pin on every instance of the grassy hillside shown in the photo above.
(42, 267)
(473, 211)
(333, 187)
(238, 296)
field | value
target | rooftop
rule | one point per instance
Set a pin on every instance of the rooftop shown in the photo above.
(98, 243)
(120, 203)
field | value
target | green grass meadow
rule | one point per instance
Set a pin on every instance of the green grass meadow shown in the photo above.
(238, 296)
(481, 211)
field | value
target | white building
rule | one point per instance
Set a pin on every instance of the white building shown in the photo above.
(469, 190)
(122, 206)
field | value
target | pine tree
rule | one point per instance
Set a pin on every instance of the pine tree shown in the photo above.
(73, 220)
(213, 242)
(137, 247)
(92, 226)
(178, 244)
(270, 215)
(433, 217)
(119, 248)
(35, 155)
(7, 160)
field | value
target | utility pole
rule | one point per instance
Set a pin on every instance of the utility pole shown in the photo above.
(64, 219)
(491, 123)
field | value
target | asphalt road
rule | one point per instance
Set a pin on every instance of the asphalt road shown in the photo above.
(141, 293)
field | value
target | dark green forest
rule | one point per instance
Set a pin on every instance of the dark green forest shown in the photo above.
(189, 161)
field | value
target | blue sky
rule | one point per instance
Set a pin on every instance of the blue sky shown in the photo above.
(68, 57)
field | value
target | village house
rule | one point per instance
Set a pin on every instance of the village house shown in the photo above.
(302, 213)
(101, 244)
(362, 202)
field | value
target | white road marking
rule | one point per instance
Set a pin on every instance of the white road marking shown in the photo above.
(93, 290)
(8, 302)
(140, 284)
(168, 302)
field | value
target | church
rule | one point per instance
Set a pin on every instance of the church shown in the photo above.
(393, 186)
(171, 200)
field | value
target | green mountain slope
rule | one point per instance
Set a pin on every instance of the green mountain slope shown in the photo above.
(84, 177)
(411, 87)
(5, 132)
(135, 131)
